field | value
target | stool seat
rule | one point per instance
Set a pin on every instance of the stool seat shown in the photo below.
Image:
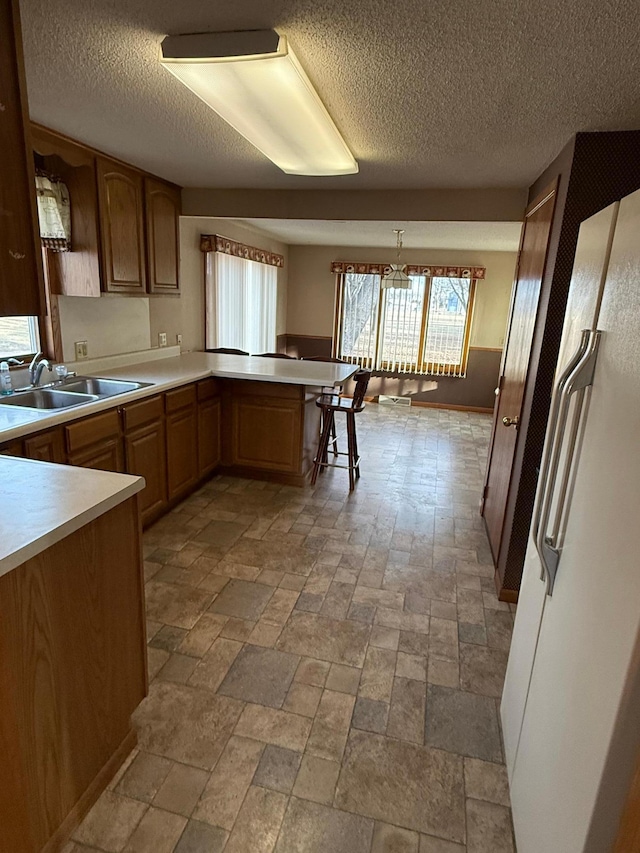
(330, 405)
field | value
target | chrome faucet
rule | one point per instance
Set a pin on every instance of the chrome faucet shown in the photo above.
(36, 368)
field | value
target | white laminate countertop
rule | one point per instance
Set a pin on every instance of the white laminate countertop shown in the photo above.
(167, 373)
(42, 503)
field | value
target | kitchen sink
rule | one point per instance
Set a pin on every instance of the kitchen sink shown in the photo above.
(47, 398)
(100, 387)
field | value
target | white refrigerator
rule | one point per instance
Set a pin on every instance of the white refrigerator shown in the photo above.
(571, 703)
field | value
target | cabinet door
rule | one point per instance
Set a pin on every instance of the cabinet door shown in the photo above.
(21, 284)
(13, 448)
(208, 435)
(106, 455)
(266, 433)
(162, 211)
(145, 456)
(47, 446)
(182, 450)
(120, 195)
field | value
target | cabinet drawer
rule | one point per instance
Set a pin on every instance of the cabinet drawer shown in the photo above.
(180, 398)
(137, 414)
(93, 429)
(207, 389)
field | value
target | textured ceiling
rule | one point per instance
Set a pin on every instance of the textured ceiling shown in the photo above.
(488, 236)
(427, 93)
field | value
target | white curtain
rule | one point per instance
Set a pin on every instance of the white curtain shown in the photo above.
(241, 300)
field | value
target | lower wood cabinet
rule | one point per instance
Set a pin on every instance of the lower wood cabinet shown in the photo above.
(182, 451)
(95, 442)
(209, 426)
(145, 456)
(47, 446)
(265, 433)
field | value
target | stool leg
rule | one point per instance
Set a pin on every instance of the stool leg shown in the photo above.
(322, 447)
(355, 449)
(350, 450)
(334, 435)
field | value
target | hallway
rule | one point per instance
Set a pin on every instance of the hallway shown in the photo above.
(326, 667)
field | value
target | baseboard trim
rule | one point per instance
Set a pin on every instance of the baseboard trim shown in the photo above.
(260, 474)
(75, 817)
(423, 405)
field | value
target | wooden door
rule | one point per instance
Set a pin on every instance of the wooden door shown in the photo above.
(182, 440)
(524, 308)
(145, 454)
(47, 446)
(162, 211)
(21, 284)
(120, 196)
(208, 435)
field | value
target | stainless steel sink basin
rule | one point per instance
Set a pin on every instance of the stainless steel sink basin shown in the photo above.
(47, 398)
(100, 387)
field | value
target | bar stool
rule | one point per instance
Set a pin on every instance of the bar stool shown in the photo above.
(228, 351)
(331, 392)
(330, 405)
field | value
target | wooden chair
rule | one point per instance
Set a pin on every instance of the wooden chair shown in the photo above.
(274, 355)
(329, 391)
(330, 405)
(228, 351)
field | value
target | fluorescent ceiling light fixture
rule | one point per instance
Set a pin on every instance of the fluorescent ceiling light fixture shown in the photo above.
(255, 83)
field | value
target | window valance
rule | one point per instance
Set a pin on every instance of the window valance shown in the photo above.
(217, 243)
(428, 270)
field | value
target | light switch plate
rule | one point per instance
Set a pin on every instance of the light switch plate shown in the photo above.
(162, 339)
(81, 349)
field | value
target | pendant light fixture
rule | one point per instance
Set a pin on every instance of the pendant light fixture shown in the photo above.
(254, 81)
(397, 277)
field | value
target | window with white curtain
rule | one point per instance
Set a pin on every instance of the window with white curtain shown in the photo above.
(241, 302)
(423, 329)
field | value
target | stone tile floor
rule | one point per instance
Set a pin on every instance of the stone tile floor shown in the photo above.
(325, 668)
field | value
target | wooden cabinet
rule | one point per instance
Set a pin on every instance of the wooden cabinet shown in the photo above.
(145, 453)
(12, 448)
(162, 211)
(182, 440)
(121, 206)
(21, 284)
(95, 442)
(209, 421)
(47, 446)
(72, 671)
(266, 427)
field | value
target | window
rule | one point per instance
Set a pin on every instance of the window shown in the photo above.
(241, 300)
(19, 337)
(421, 329)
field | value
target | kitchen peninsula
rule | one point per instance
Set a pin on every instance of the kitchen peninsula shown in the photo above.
(198, 413)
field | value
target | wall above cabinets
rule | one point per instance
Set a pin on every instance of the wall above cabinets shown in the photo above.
(124, 224)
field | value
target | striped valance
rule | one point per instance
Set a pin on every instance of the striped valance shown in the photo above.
(217, 243)
(428, 270)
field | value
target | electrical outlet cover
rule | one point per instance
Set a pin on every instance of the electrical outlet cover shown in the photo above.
(81, 350)
(162, 339)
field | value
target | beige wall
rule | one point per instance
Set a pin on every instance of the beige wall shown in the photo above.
(311, 291)
(110, 324)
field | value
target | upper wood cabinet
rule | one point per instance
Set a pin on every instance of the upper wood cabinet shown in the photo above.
(121, 204)
(162, 208)
(21, 285)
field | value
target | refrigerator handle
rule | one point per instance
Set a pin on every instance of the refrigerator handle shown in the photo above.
(577, 376)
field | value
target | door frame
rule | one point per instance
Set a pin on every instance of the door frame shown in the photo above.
(551, 190)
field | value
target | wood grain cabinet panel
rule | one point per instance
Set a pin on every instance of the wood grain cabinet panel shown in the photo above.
(47, 446)
(209, 415)
(72, 671)
(265, 433)
(162, 212)
(121, 205)
(182, 441)
(95, 442)
(21, 283)
(145, 455)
